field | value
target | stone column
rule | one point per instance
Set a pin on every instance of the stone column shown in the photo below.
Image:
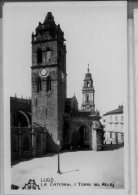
(33, 143)
(90, 138)
(94, 139)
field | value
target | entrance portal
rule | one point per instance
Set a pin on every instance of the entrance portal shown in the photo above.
(84, 137)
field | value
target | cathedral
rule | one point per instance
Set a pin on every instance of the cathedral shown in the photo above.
(54, 117)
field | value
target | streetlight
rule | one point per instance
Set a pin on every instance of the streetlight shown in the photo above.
(58, 171)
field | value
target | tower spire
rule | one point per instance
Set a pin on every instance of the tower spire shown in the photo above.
(88, 68)
(88, 92)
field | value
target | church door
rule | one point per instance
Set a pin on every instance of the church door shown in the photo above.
(81, 131)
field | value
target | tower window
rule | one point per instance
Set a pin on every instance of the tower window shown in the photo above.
(39, 85)
(48, 54)
(87, 98)
(48, 84)
(88, 84)
(36, 102)
(39, 56)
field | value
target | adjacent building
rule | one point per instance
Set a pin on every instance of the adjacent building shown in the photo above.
(113, 122)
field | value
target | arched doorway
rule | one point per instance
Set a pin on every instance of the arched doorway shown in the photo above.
(84, 137)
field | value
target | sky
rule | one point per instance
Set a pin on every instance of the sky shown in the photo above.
(95, 33)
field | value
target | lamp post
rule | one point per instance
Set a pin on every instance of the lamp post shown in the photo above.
(58, 171)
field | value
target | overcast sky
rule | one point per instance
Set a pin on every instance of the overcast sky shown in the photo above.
(95, 33)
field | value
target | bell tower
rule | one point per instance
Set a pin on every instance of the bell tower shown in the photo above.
(88, 92)
(49, 79)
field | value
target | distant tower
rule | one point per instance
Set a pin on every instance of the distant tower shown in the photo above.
(88, 93)
(49, 79)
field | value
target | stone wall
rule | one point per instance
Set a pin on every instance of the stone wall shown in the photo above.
(25, 142)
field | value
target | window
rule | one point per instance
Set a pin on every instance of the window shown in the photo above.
(122, 137)
(87, 98)
(48, 54)
(122, 118)
(46, 112)
(88, 84)
(39, 85)
(110, 134)
(116, 118)
(48, 84)
(36, 102)
(39, 56)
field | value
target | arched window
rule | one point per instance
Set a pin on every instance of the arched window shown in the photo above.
(48, 84)
(39, 56)
(26, 143)
(88, 84)
(39, 85)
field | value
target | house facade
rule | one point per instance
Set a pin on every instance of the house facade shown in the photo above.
(113, 122)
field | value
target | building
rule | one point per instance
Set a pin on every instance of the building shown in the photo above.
(54, 116)
(26, 141)
(88, 93)
(49, 78)
(113, 122)
(20, 110)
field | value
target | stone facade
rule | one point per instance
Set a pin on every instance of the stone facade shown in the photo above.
(48, 101)
(83, 130)
(27, 142)
(20, 111)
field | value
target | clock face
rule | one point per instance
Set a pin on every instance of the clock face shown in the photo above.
(43, 72)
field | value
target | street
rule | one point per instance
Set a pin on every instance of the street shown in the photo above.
(103, 169)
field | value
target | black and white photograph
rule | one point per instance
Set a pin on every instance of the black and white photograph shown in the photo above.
(65, 79)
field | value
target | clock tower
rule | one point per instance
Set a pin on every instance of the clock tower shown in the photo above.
(49, 79)
(88, 93)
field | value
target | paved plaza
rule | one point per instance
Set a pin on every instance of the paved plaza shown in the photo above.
(104, 169)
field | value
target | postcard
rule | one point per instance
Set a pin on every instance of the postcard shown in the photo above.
(65, 79)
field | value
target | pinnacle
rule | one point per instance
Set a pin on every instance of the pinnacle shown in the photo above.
(49, 17)
(88, 68)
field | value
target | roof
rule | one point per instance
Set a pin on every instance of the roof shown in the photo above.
(97, 124)
(119, 110)
(80, 114)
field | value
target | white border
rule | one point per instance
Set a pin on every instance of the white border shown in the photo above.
(131, 133)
